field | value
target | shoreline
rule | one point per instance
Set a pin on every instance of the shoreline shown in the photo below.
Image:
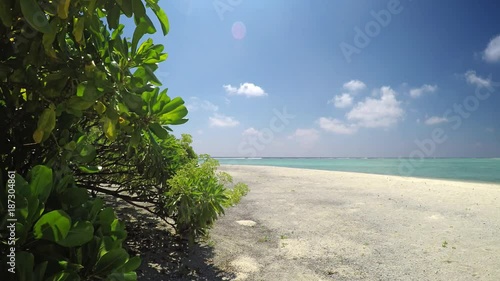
(305, 224)
(365, 173)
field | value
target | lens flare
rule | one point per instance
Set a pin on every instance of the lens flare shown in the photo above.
(239, 30)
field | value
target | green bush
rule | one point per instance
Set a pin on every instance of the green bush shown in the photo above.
(197, 196)
(235, 194)
(79, 98)
(63, 234)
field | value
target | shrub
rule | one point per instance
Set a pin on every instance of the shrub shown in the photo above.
(79, 98)
(197, 196)
(62, 234)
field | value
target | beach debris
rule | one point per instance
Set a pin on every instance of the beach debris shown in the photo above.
(246, 223)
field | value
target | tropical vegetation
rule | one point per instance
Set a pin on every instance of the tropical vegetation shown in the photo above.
(84, 114)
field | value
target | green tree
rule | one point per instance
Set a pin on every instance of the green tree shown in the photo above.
(83, 113)
(85, 102)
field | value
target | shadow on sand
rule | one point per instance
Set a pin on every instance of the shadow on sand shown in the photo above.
(164, 256)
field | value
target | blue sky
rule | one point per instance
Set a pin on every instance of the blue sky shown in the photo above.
(336, 78)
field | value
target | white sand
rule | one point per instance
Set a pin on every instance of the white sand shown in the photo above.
(322, 225)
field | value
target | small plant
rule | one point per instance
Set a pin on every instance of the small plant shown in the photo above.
(198, 195)
(263, 239)
(445, 244)
(283, 236)
(235, 194)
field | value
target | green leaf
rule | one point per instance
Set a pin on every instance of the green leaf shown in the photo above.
(131, 265)
(111, 260)
(175, 115)
(65, 182)
(81, 233)
(34, 15)
(107, 244)
(41, 182)
(70, 146)
(24, 265)
(160, 14)
(139, 10)
(117, 32)
(100, 107)
(97, 205)
(129, 276)
(117, 228)
(49, 37)
(109, 128)
(106, 216)
(150, 69)
(172, 105)
(126, 7)
(89, 169)
(179, 122)
(113, 17)
(145, 45)
(87, 153)
(147, 96)
(62, 8)
(132, 101)
(38, 136)
(135, 139)
(79, 103)
(145, 26)
(69, 266)
(78, 27)
(46, 123)
(159, 131)
(53, 226)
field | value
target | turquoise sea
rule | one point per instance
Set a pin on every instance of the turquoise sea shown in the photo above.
(463, 169)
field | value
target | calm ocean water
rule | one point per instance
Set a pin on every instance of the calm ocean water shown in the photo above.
(464, 169)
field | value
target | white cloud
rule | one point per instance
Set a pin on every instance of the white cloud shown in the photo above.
(377, 113)
(354, 86)
(345, 99)
(490, 130)
(417, 92)
(492, 51)
(195, 104)
(245, 89)
(219, 120)
(341, 101)
(306, 137)
(434, 120)
(251, 132)
(473, 79)
(336, 126)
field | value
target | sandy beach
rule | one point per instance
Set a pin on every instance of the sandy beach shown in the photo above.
(298, 224)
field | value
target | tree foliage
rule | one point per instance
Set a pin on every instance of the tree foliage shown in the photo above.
(83, 113)
(64, 235)
(71, 80)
